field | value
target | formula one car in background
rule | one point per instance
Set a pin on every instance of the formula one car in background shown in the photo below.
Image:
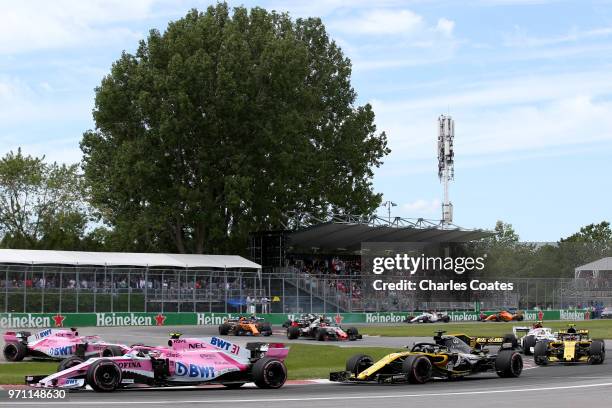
(528, 337)
(570, 346)
(428, 317)
(187, 361)
(319, 328)
(57, 344)
(503, 316)
(449, 356)
(245, 326)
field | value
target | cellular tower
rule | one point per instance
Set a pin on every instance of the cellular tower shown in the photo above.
(446, 162)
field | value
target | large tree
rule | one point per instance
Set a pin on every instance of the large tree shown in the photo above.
(41, 205)
(225, 124)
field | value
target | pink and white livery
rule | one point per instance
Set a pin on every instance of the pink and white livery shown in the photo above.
(188, 361)
(57, 344)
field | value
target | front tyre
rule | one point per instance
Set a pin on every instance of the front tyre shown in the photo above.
(597, 352)
(69, 363)
(509, 364)
(359, 363)
(269, 373)
(104, 376)
(15, 351)
(418, 369)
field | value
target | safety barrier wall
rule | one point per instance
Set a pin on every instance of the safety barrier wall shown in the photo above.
(44, 320)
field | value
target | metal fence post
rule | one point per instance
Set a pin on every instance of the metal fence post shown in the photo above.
(61, 274)
(42, 294)
(225, 286)
(146, 288)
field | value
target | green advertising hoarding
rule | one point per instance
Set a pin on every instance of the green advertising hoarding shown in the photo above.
(44, 320)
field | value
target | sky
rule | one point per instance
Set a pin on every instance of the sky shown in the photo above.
(528, 83)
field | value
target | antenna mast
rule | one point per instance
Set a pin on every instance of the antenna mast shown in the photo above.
(446, 162)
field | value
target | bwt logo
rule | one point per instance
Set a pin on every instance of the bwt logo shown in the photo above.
(194, 371)
(43, 333)
(222, 344)
(60, 351)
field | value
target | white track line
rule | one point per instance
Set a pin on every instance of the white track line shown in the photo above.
(301, 399)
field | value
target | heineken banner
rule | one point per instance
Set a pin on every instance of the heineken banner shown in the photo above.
(42, 320)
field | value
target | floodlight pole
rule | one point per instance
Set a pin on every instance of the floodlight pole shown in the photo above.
(446, 163)
(388, 205)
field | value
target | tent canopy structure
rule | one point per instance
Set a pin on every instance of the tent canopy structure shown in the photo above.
(593, 269)
(349, 236)
(39, 257)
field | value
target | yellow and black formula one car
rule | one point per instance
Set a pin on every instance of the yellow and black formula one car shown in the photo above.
(571, 346)
(449, 356)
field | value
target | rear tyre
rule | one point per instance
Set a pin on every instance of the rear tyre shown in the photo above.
(69, 363)
(509, 364)
(104, 376)
(293, 332)
(597, 352)
(418, 369)
(15, 351)
(528, 342)
(520, 318)
(352, 333)
(266, 330)
(540, 353)
(224, 329)
(446, 319)
(112, 351)
(359, 363)
(269, 373)
(510, 339)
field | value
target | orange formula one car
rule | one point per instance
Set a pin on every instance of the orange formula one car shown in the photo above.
(503, 316)
(245, 326)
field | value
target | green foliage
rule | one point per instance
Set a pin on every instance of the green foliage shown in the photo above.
(41, 204)
(223, 125)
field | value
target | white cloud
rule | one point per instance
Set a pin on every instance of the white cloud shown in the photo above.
(520, 37)
(43, 25)
(381, 22)
(422, 207)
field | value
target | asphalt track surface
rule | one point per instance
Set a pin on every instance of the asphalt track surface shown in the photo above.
(558, 386)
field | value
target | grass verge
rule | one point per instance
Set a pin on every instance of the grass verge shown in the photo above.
(598, 329)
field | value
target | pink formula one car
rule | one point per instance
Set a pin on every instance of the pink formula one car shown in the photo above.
(184, 362)
(57, 344)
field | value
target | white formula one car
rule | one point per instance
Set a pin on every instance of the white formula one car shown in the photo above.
(428, 317)
(529, 336)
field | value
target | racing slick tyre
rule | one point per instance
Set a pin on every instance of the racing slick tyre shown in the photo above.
(69, 362)
(293, 333)
(418, 369)
(15, 351)
(266, 330)
(445, 319)
(520, 318)
(352, 333)
(269, 372)
(322, 335)
(358, 363)
(597, 352)
(224, 329)
(528, 342)
(510, 339)
(509, 364)
(104, 376)
(112, 351)
(540, 353)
